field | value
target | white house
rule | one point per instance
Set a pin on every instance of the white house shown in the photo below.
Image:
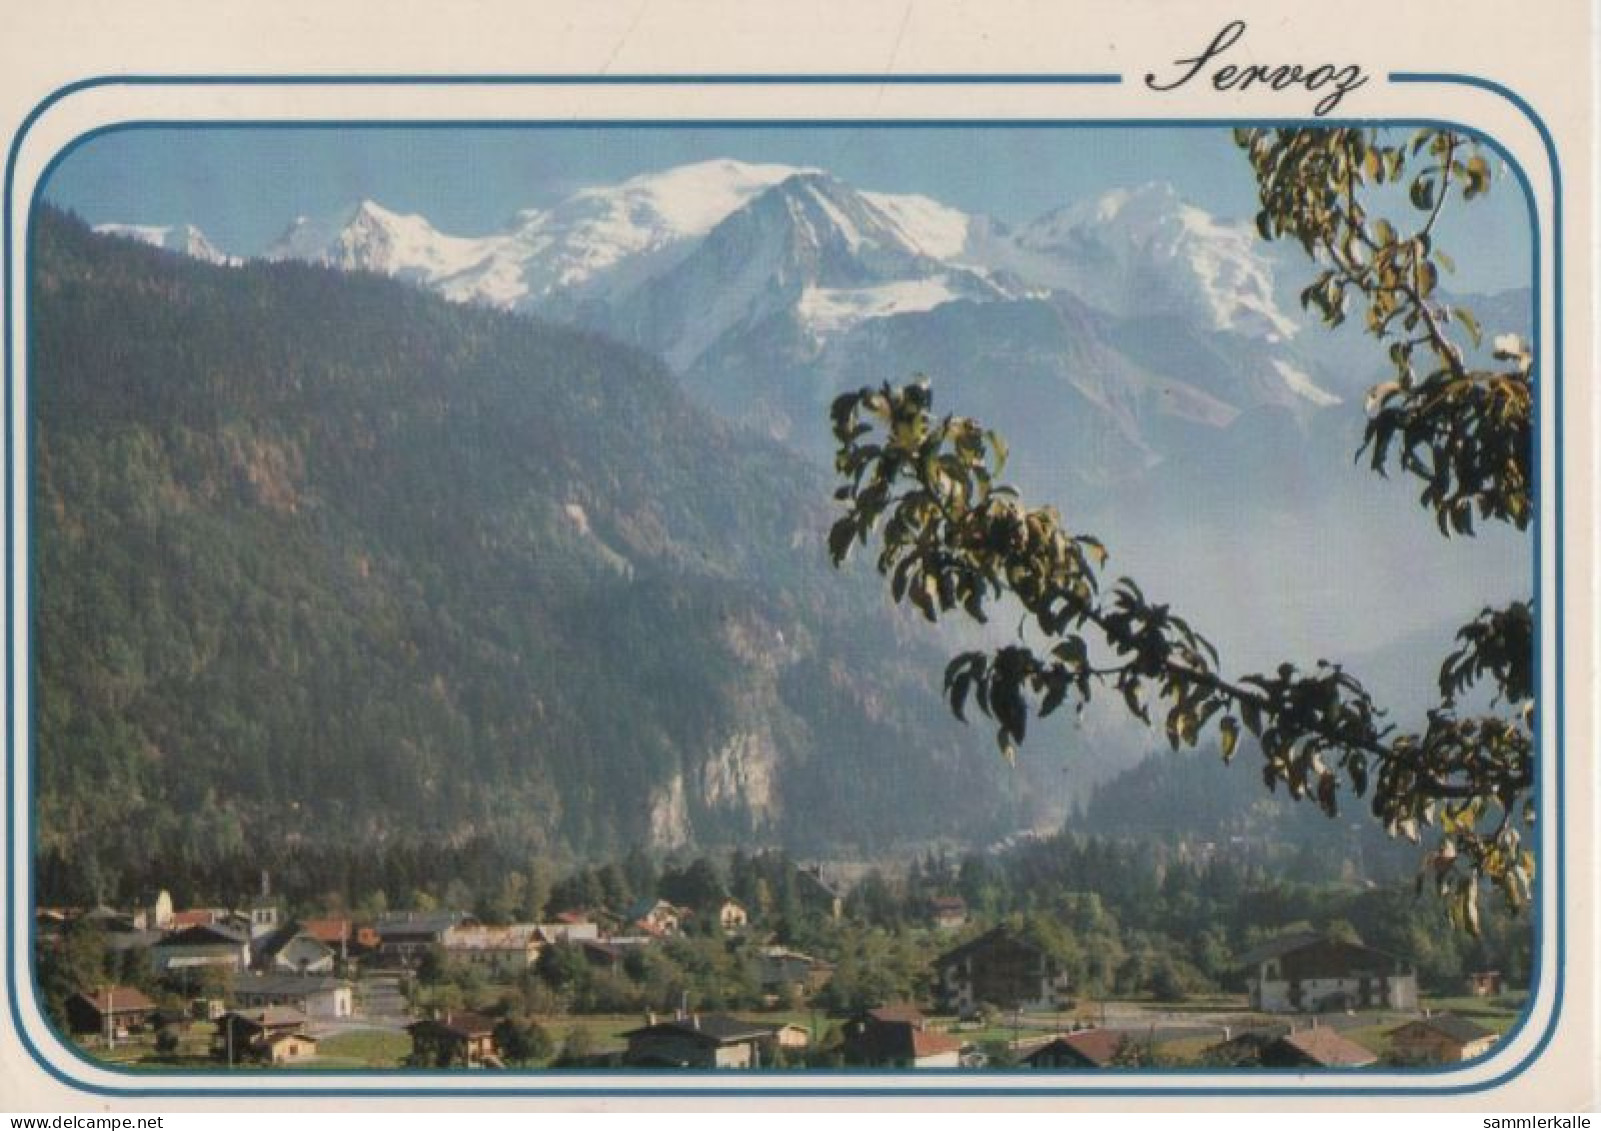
(1313, 973)
(315, 997)
(494, 950)
(1001, 968)
(197, 947)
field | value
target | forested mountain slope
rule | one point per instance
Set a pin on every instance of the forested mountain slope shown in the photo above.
(319, 558)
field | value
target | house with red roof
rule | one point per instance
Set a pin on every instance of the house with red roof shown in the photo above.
(117, 1009)
(1087, 1048)
(459, 1038)
(1318, 1047)
(1442, 1038)
(899, 1036)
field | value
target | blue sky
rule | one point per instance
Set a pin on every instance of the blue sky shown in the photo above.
(243, 186)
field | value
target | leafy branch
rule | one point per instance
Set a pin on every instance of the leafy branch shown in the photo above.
(1462, 428)
(954, 539)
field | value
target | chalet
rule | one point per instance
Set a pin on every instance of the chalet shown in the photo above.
(655, 917)
(211, 946)
(1483, 983)
(290, 1048)
(458, 1039)
(249, 1034)
(783, 971)
(292, 951)
(1087, 1048)
(1002, 968)
(732, 916)
(711, 1040)
(785, 1037)
(1314, 973)
(312, 996)
(947, 912)
(1444, 1038)
(118, 1010)
(1318, 1047)
(899, 1036)
(494, 950)
(403, 939)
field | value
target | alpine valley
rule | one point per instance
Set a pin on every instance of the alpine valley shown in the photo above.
(388, 536)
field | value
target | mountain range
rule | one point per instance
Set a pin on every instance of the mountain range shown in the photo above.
(522, 530)
(768, 288)
(1146, 360)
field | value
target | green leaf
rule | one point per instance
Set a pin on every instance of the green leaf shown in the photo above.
(840, 536)
(1252, 715)
(998, 446)
(959, 691)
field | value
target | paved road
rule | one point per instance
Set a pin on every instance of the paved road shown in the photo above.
(1175, 1025)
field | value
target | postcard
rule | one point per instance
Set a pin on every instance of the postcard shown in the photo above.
(1033, 557)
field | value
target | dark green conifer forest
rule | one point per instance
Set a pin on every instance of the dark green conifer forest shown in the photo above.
(328, 572)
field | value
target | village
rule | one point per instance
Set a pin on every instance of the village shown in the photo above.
(431, 988)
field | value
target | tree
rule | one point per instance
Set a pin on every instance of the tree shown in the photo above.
(522, 1041)
(955, 540)
(432, 967)
(699, 886)
(563, 967)
(167, 1040)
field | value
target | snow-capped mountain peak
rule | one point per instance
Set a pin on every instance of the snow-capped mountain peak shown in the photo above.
(1146, 249)
(603, 241)
(811, 254)
(369, 237)
(937, 230)
(687, 260)
(185, 239)
(687, 200)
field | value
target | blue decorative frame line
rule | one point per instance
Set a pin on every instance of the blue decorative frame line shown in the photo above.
(818, 1088)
